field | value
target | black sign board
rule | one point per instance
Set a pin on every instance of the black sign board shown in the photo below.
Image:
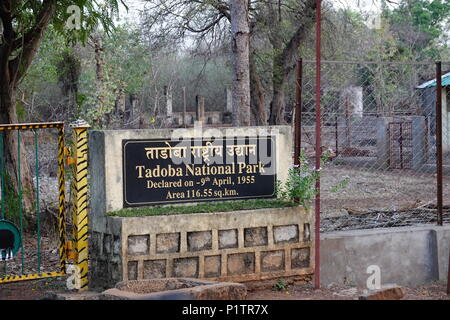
(163, 171)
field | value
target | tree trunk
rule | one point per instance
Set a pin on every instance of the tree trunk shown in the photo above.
(240, 57)
(13, 67)
(279, 81)
(99, 63)
(120, 106)
(277, 105)
(283, 60)
(258, 103)
(8, 114)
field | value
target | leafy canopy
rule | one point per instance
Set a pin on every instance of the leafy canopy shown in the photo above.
(25, 16)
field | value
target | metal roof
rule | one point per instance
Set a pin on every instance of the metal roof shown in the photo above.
(432, 83)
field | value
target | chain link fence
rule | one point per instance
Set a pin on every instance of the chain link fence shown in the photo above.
(379, 121)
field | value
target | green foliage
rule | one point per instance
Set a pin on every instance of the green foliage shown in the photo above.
(89, 108)
(94, 15)
(44, 69)
(204, 207)
(281, 285)
(72, 68)
(126, 63)
(341, 185)
(424, 15)
(20, 110)
(300, 185)
(127, 58)
(69, 68)
(27, 27)
(421, 26)
(12, 201)
(51, 28)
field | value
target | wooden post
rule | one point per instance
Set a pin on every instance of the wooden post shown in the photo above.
(200, 110)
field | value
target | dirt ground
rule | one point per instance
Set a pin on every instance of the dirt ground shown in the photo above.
(31, 289)
(37, 289)
(431, 291)
(368, 190)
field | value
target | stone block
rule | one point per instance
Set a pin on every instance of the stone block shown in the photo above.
(175, 289)
(116, 246)
(168, 242)
(132, 270)
(79, 295)
(300, 258)
(306, 232)
(95, 244)
(241, 263)
(116, 272)
(255, 237)
(154, 269)
(138, 245)
(387, 292)
(228, 239)
(107, 244)
(272, 260)
(285, 234)
(199, 240)
(103, 268)
(212, 266)
(185, 267)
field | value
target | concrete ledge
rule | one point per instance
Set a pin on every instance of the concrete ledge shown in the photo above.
(175, 289)
(84, 295)
(407, 256)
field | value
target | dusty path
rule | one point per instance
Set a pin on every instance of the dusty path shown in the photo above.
(432, 291)
(37, 289)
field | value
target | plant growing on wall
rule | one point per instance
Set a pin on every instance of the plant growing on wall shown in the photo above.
(300, 186)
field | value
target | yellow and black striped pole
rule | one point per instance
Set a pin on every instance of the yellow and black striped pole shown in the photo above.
(62, 197)
(80, 200)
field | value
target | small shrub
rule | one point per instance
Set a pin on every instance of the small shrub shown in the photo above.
(300, 185)
(280, 285)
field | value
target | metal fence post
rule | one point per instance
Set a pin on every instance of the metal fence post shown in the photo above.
(439, 140)
(298, 111)
(80, 200)
(448, 274)
(318, 147)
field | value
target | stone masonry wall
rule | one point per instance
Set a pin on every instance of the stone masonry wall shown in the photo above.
(105, 255)
(234, 246)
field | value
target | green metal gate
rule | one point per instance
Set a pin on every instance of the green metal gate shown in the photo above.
(12, 235)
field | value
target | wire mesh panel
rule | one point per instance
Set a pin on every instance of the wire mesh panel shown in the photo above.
(400, 145)
(379, 121)
(31, 201)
